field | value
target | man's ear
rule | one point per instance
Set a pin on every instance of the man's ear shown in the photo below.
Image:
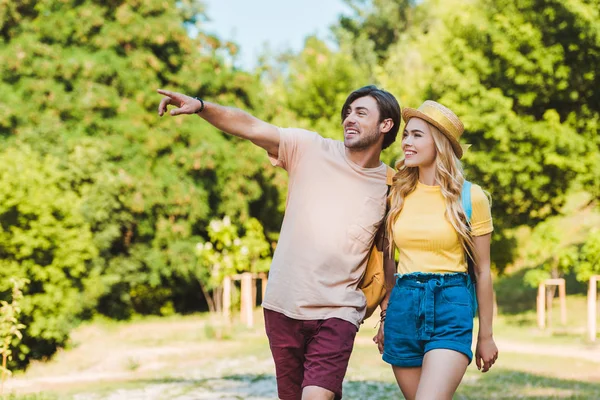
(386, 125)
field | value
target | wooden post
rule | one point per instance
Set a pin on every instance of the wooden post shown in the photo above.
(227, 298)
(541, 301)
(253, 291)
(592, 313)
(246, 301)
(541, 306)
(242, 298)
(263, 285)
(562, 297)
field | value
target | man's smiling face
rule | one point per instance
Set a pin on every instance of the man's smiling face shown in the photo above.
(361, 124)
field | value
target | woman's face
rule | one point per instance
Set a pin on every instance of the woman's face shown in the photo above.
(417, 144)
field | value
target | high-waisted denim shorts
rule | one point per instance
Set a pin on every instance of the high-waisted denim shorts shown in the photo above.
(426, 312)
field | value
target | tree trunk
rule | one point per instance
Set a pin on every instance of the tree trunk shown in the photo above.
(218, 298)
(209, 300)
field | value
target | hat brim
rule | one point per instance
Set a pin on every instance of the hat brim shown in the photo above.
(408, 113)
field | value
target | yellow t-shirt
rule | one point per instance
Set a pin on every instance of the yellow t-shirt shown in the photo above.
(426, 240)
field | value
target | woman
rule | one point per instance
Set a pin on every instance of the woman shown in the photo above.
(427, 319)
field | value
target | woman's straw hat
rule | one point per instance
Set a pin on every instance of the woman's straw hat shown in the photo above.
(442, 118)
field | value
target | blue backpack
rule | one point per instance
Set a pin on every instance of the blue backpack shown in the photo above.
(467, 206)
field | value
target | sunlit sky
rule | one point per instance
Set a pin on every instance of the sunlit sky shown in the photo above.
(282, 24)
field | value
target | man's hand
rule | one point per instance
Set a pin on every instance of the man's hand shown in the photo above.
(230, 120)
(378, 339)
(486, 353)
(185, 104)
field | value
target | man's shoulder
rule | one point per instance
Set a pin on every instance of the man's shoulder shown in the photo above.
(298, 132)
(305, 132)
(312, 137)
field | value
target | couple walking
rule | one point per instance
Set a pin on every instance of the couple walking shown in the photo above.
(337, 200)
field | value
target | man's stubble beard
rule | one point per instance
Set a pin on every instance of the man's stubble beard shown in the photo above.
(364, 141)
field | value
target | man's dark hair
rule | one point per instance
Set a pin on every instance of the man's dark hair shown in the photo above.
(388, 108)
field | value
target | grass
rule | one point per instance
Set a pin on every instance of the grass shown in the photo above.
(523, 326)
(202, 357)
(509, 384)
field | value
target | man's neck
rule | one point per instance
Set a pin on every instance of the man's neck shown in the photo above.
(365, 158)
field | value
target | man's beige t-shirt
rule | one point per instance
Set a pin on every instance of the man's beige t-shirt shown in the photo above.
(333, 210)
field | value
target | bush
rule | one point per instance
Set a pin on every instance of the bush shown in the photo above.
(45, 239)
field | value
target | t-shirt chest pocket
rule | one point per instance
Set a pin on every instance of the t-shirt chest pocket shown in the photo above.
(365, 223)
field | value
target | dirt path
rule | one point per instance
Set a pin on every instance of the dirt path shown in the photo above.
(174, 360)
(244, 377)
(227, 378)
(568, 351)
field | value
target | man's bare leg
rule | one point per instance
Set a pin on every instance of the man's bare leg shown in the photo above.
(317, 393)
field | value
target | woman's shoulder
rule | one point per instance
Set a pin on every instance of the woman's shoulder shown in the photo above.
(478, 195)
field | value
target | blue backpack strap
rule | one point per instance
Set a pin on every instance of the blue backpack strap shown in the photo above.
(466, 200)
(468, 208)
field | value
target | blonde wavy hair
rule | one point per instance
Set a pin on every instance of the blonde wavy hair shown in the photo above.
(448, 174)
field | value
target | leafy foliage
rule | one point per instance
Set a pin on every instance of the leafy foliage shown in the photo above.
(44, 239)
(115, 198)
(520, 76)
(103, 205)
(228, 253)
(588, 262)
(10, 327)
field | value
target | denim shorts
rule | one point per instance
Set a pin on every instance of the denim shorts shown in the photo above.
(426, 312)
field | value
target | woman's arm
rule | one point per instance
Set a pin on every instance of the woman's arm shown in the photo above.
(389, 268)
(486, 352)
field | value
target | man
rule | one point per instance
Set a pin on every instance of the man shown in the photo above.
(335, 205)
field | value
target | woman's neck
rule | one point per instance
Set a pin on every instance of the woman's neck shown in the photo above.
(427, 175)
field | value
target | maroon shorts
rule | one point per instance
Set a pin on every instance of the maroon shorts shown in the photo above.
(309, 353)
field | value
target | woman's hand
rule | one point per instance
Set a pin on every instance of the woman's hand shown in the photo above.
(486, 353)
(378, 339)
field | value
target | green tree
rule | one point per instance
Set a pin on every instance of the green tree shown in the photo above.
(10, 327)
(516, 74)
(588, 261)
(551, 251)
(378, 22)
(312, 87)
(44, 239)
(227, 253)
(78, 80)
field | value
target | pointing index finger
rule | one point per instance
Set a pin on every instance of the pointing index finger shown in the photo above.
(165, 92)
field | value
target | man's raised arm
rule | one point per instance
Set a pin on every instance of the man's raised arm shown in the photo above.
(228, 119)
